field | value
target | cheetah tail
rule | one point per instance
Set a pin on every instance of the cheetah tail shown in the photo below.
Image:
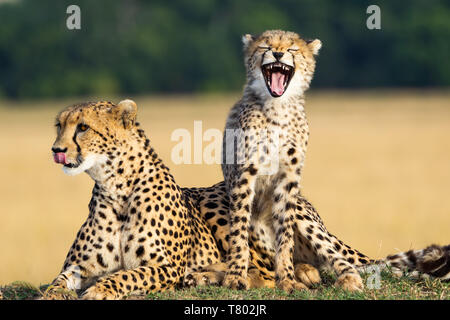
(432, 261)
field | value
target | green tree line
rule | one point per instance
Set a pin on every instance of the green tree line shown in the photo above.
(160, 46)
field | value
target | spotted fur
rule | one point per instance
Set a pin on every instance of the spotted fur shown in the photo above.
(139, 240)
(315, 247)
(265, 121)
(143, 232)
(263, 188)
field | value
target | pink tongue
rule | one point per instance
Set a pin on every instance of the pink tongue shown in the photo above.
(60, 157)
(277, 83)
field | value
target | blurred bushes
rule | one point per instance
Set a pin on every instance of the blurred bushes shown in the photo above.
(134, 46)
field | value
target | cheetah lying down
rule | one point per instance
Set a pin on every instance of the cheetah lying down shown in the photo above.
(144, 233)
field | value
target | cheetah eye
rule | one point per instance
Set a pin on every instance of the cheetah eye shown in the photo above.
(82, 127)
(263, 48)
(292, 50)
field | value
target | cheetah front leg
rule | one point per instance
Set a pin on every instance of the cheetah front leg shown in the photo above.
(81, 270)
(241, 198)
(284, 204)
(94, 253)
(66, 284)
(142, 280)
(73, 278)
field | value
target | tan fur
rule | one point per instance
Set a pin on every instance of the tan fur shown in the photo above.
(262, 115)
(143, 233)
(107, 246)
(270, 204)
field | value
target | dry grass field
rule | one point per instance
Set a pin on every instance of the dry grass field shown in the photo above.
(377, 169)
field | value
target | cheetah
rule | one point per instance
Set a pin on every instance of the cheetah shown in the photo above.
(264, 146)
(139, 240)
(143, 232)
(261, 185)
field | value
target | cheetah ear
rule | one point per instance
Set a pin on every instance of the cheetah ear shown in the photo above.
(126, 110)
(314, 45)
(247, 39)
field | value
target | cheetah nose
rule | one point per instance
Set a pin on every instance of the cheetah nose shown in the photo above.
(60, 157)
(278, 55)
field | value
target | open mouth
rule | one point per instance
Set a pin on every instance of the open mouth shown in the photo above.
(277, 76)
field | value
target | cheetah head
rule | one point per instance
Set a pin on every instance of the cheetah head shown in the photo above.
(87, 133)
(279, 63)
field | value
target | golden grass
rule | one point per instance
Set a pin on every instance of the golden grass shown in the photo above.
(377, 170)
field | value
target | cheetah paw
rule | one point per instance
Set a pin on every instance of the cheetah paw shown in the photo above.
(202, 279)
(350, 282)
(58, 293)
(236, 282)
(289, 286)
(307, 274)
(192, 280)
(59, 296)
(97, 293)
